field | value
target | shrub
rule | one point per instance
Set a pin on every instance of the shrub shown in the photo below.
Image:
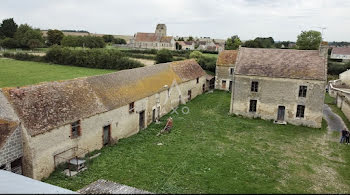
(164, 56)
(9, 43)
(336, 68)
(92, 58)
(24, 57)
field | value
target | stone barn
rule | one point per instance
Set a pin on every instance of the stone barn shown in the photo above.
(88, 113)
(225, 68)
(283, 85)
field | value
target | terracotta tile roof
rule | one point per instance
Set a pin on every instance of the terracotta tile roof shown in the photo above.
(341, 50)
(227, 58)
(152, 37)
(6, 130)
(185, 43)
(49, 105)
(281, 63)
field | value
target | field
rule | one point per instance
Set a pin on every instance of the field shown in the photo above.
(209, 151)
(20, 73)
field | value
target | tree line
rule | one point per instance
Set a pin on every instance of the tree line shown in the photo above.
(307, 40)
(26, 37)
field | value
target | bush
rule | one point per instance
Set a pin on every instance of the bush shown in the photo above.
(164, 56)
(80, 41)
(9, 43)
(336, 68)
(91, 58)
(24, 57)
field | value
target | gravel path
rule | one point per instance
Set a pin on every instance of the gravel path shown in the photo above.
(335, 123)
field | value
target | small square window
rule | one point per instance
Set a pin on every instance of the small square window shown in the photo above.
(255, 86)
(302, 91)
(252, 106)
(131, 107)
(76, 129)
(300, 111)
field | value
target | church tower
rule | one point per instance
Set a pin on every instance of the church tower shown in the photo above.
(161, 30)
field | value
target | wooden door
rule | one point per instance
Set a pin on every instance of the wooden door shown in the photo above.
(106, 134)
(281, 111)
(142, 120)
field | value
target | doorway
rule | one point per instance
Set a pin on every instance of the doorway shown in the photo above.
(281, 111)
(142, 120)
(223, 86)
(106, 134)
(230, 86)
(154, 115)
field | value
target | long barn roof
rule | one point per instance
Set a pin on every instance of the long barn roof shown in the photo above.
(49, 105)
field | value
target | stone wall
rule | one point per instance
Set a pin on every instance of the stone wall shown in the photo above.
(11, 151)
(342, 97)
(275, 92)
(40, 152)
(222, 73)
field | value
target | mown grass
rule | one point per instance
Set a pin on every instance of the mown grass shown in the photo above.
(210, 151)
(20, 73)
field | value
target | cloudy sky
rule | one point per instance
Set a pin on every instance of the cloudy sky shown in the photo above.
(281, 19)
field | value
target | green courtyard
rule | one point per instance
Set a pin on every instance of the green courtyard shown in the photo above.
(15, 73)
(210, 151)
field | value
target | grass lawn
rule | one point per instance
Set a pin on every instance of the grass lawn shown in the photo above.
(209, 151)
(20, 73)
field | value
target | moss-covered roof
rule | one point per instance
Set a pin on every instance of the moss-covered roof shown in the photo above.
(49, 105)
(227, 58)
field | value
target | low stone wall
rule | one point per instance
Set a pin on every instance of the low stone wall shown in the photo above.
(342, 97)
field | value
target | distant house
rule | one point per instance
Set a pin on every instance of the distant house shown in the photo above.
(157, 40)
(58, 119)
(225, 68)
(280, 85)
(186, 45)
(341, 53)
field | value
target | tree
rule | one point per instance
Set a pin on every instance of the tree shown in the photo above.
(28, 37)
(54, 37)
(180, 39)
(233, 43)
(163, 56)
(8, 28)
(190, 38)
(9, 43)
(309, 40)
(265, 42)
(251, 44)
(119, 41)
(108, 38)
(196, 55)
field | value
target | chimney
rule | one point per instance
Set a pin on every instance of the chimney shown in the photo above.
(323, 50)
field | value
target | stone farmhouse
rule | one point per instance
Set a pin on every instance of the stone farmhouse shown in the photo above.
(187, 45)
(225, 68)
(57, 119)
(157, 40)
(280, 85)
(341, 53)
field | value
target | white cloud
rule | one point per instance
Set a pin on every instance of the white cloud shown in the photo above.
(283, 20)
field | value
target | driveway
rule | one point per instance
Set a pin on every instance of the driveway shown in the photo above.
(335, 123)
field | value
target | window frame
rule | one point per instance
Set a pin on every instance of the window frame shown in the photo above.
(75, 125)
(255, 106)
(132, 107)
(303, 91)
(300, 113)
(254, 87)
